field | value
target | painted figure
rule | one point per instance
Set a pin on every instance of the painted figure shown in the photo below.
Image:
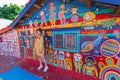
(90, 68)
(26, 46)
(61, 14)
(52, 16)
(26, 30)
(47, 42)
(35, 23)
(23, 31)
(62, 63)
(55, 58)
(89, 21)
(43, 19)
(74, 15)
(31, 41)
(39, 49)
(50, 54)
(31, 27)
(68, 61)
(77, 62)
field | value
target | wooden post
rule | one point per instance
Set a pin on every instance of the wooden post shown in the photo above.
(117, 11)
(68, 1)
(89, 3)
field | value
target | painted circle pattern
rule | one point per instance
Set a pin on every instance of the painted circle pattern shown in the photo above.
(110, 48)
(110, 73)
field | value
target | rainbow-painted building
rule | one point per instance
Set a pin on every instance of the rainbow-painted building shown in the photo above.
(80, 35)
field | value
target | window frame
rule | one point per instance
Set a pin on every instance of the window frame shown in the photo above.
(63, 35)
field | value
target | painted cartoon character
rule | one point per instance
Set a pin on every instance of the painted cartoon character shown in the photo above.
(68, 61)
(31, 41)
(31, 27)
(26, 46)
(35, 22)
(52, 16)
(77, 62)
(62, 63)
(61, 14)
(74, 15)
(43, 19)
(50, 54)
(89, 20)
(22, 32)
(89, 68)
(47, 42)
(56, 58)
(26, 30)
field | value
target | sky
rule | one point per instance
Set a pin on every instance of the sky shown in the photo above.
(18, 2)
(2, 2)
(5, 23)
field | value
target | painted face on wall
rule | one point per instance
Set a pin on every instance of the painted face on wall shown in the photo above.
(41, 13)
(88, 16)
(74, 10)
(77, 57)
(36, 22)
(62, 6)
(39, 33)
(90, 61)
(61, 54)
(77, 62)
(52, 5)
(50, 46)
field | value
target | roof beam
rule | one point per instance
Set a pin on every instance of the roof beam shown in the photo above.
(88, 3)
(27, 15)
(117, 11)
(106, 5)
(37, 6)
(81, 0)
(21, 21)
(68, 1)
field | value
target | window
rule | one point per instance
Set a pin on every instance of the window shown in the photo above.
(67, 40)
(58, 40)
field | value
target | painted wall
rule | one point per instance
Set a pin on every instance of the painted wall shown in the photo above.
(76, 38)
(9, 45)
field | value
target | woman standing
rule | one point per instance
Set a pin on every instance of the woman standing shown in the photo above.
(39, 49)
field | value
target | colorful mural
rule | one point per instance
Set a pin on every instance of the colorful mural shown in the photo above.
(9, 46)
(76, 38)
(110, 71)
(77, 62)
(26, 41)
(89, 68)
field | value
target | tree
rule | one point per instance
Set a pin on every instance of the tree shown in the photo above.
(9, 11)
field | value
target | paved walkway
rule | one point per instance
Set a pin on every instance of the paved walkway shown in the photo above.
(53, 73)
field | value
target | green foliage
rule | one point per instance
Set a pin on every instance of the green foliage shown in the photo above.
(9, 11)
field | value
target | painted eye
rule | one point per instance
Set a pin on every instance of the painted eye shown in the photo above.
(75, 56)
(88, 16)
